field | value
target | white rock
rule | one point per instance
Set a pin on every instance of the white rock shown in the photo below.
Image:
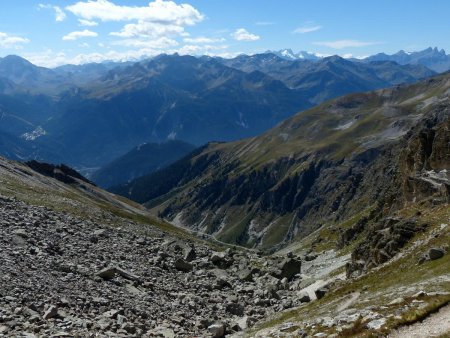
(376, 324)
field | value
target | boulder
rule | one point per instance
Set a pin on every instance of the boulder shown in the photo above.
(217, 330)
(320, 293)
(435, 253)
(289, 268)
(107, 273)
(190, 254)
(52, 312)
(310, 257)
(303, 297)
(221, 260)
(21, 233)
(181, 265)
(110, 272)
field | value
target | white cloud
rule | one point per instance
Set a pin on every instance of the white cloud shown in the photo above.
(341, 44)
(307, 29)
(60, 15)
(157, 11)
(49, 58)
(322, 55)
(202, 40)
(161, 43)
(87, 23)
(11, 41)
(80, 34)
(146, 29)
(210, 50)
(242, 34)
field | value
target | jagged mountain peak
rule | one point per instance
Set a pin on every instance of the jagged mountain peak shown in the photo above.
(433, 58)
(289, 54)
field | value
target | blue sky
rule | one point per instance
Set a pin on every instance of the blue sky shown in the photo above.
(51, 33)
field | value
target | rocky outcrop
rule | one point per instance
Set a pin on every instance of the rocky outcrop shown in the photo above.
(423, 173)
(425, 162)
(383, 241)
(60, 172)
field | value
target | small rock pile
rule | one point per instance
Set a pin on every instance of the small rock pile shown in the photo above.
(65, 276)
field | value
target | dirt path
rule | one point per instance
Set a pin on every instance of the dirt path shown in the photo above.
(436, 325)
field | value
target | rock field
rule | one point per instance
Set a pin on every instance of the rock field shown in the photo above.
(64, 276)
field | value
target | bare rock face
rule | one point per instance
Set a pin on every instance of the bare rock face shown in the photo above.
(384, 240)
(61, 172)
(426, 160)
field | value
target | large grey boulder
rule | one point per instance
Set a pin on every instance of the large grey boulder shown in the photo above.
(435, 253)
(52, 312)
(217, 330)
(182, 265)
(110, 273)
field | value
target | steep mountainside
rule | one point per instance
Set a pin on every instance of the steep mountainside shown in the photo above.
(141, 161)
(362, 153)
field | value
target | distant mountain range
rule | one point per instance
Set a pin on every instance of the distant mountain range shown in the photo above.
(89, 115)
(325, 78)
(432, 58)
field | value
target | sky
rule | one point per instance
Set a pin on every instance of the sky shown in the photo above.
(51, 33)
